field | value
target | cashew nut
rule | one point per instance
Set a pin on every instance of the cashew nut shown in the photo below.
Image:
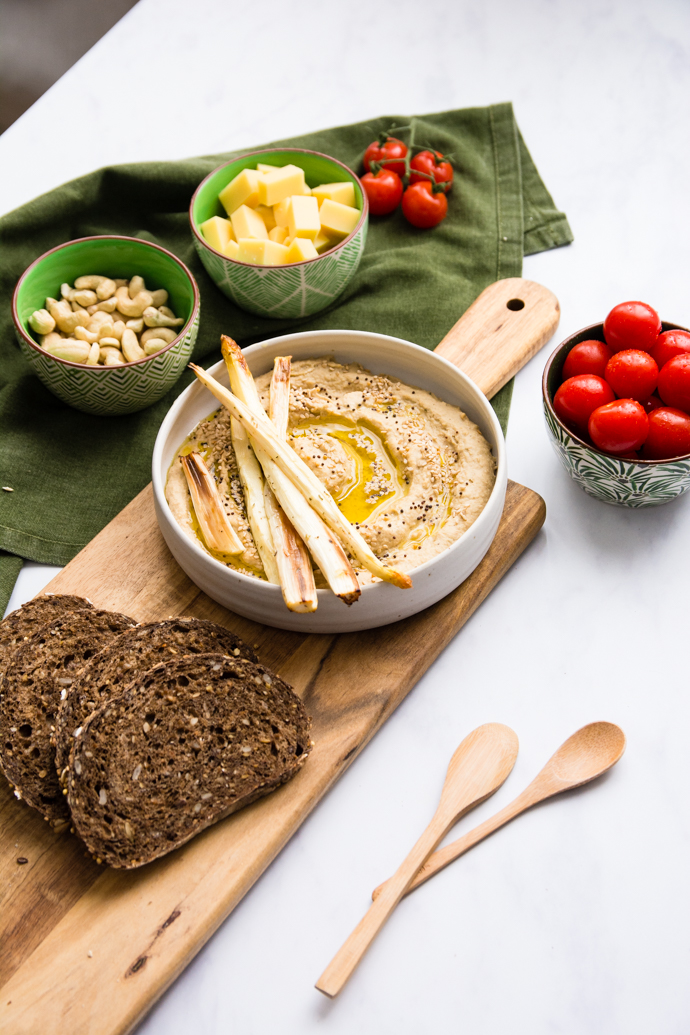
(82, 334)
(136, 285)
(42, 322)
(111, 357)
(109, 305)
(160, 297)
(155, 318)
(154, 345)
(66, 291)
(135, 325)
(72, 350)
(118, 329)
(67, 320)
(84, 298)
(109, 343)
(120, 282)
(94, 355)
(98, 319)
(165, 333)
(48, 340)
(91, 309)
(106, 330)
(131, 349)
(132, 307)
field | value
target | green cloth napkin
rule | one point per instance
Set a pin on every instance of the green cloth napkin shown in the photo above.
(72, 473)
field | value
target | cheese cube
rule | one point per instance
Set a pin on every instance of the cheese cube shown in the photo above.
(243, 190)
(279, 184)
(280, 212)
(246, 222)
(303, 217)
(262, 253)
(262, 168)
(322, 242)
(266, 214)
(337, 221)
(217, 231)
(300, 249)
(342, 192)
(231, 249)
(279, 234)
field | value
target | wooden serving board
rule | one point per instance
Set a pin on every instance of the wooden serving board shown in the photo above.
(87, 949)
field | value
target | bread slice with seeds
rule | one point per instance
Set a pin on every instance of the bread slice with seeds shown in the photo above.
(28, 619)
(128, 656)
(185, 745)
(30, 695)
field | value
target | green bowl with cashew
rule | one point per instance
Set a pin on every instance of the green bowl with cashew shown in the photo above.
(129, 386)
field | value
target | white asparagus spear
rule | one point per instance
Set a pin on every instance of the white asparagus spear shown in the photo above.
(292, 465)
(321, 542)
(213, 520)
(252, 479)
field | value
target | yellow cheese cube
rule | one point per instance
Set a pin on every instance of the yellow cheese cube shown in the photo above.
(279, 234)
(262, 253)
(342, 192)
(231, 249)
(266, 214)
(306, 189)
(263, 168)
(243, 190)
(300, 249)
(322, 242)
(279, 184)
(246, 222)
(337, 221)
(303, 216)
(217, 231)
(280, 212)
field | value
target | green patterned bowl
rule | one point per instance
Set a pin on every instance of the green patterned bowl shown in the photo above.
(625, 483)
(301, 288)
(108, 390)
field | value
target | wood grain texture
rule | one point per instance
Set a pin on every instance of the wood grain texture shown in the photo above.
(492, 341)
(142, 927)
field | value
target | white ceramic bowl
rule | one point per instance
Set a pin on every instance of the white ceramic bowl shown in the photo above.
(380, 603)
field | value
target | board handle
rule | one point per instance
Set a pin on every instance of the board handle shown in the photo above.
(501, 331)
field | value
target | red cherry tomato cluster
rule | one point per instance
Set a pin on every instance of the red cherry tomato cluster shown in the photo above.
(421, 181)
(630, 394)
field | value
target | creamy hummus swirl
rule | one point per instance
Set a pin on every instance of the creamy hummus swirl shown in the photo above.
(412, 472)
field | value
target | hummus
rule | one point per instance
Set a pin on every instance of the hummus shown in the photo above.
(411, 472)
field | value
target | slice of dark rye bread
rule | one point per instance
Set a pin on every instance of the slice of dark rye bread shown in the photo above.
(128, 656)
(29, 699)
(29, 618)
(185, 745)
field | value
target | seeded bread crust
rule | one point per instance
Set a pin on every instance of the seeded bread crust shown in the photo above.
(30, 617)
(185, 745)
(126, 658)
(29, 699)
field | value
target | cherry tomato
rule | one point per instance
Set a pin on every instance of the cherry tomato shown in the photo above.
(669, 434)
(674, 382)
(632, 325)
(384, 191)
(632, 374)
(651, 404)
(422, 207)
(383, 149)
(433, 163)
(579, 396)
(670, 344)
(589, 357)
(619, 427)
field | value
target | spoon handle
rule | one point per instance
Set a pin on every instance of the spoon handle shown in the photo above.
(353, 949)
(439, 860)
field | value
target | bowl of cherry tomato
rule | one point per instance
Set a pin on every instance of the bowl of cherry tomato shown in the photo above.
(617, 404)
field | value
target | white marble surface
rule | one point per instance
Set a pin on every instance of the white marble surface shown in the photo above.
(573, 919)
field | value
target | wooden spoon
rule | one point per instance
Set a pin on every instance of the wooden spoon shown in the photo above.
(478, 767)
(583, 757)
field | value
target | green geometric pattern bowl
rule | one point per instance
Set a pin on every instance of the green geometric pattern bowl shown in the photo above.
(302, 288)
(108, 391)
(624, 483)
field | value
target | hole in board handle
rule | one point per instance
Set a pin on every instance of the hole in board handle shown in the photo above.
(516, 304)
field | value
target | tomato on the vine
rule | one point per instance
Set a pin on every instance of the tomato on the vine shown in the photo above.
(632, 325)
(632, 374)
(669, 434)
(620, 426)
(579, 396)
(422, 207)
(589, 357)
(674, 382)
(670, 344)
(384, 191)
(383, 150)
(433, 163)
